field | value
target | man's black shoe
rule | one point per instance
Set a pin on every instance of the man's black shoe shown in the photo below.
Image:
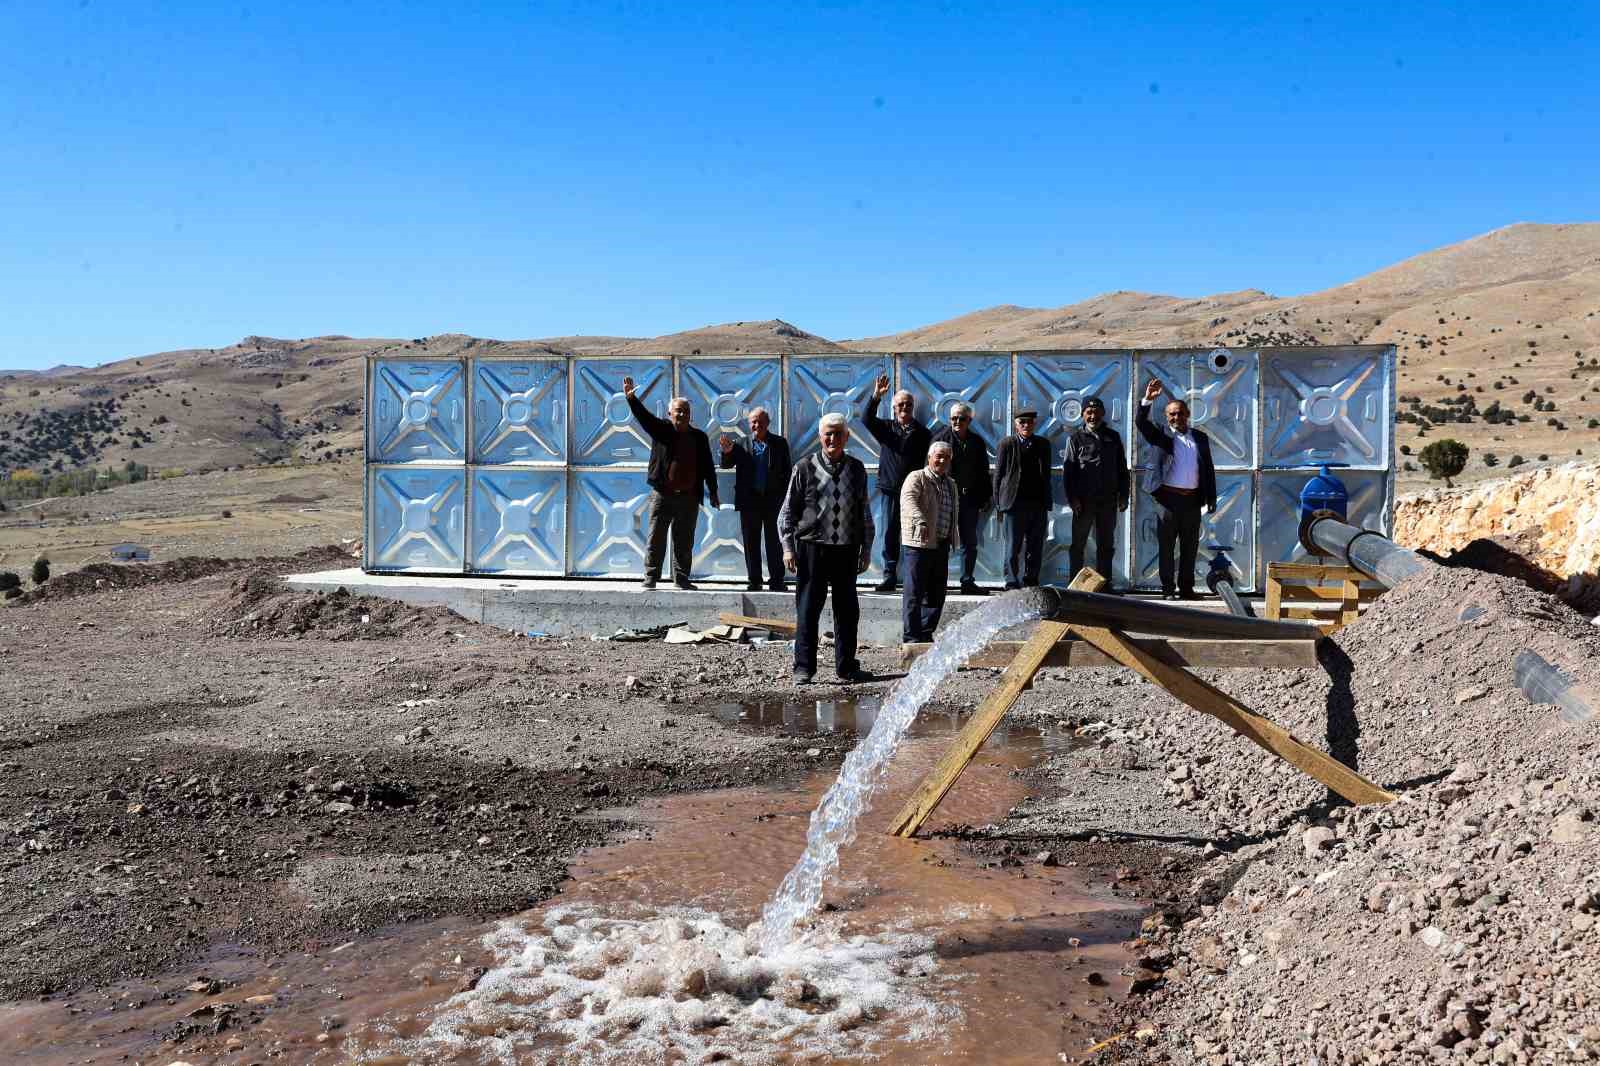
(1168, 595)
(856, 676)
(754, 586)
(778, 586)
(1012, 586)
(802, 678)
(1189, 594)
(972, 588)
(888, 584)
(648, 583)
(685, 583)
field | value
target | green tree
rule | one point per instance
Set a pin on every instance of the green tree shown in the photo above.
(41, 570)
(1444, 459)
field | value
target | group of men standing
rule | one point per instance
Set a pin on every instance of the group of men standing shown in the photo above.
(814, 518)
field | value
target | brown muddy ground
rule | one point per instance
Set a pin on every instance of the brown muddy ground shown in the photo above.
(193, 761)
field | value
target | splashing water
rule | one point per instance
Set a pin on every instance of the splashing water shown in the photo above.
(833, 823)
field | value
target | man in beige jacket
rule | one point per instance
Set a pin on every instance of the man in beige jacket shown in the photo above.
(929, 530)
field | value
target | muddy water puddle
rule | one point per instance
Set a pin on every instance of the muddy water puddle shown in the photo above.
(924, 950)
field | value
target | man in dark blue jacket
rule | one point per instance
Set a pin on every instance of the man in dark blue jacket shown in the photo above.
(1094, 472)
(680, 464)
(969, 465)
(761, 479)
(1183, 483)
(903, 447)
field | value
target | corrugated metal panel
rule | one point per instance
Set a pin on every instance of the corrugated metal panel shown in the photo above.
(1056, 384)
(604, 432)
(1175, 371)
(1278, 521)
(833, 384)
(718, 542)
(1326, 407)
(519, 411)
(1222, 402)
(415, 518)
(415, 411)
(518, 521)
(991, 552)
(1058, 549)
(607, 523)
(1232, 525)
(982, 379)
(723, 391)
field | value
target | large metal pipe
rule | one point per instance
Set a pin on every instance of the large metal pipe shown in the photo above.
(1165, 620)
(1219, 579)
(1371, 553)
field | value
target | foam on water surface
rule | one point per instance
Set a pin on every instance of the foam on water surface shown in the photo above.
(574, 986)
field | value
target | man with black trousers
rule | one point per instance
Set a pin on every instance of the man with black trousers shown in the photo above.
(762, 476)
(826, 527)
(969, 465)
(1022, 493)
(1184, 485)
(680, 466)
(1094, 473)
(903, 447)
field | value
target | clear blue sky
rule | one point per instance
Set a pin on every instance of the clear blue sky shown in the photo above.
(183, 174)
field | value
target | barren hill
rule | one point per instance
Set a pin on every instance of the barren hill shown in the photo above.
(1511, 317)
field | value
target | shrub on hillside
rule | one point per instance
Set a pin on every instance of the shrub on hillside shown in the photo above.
(1444, 459)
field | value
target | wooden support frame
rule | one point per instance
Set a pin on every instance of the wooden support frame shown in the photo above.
(1335, 592)
(942, 778)
(1139, 657)
(1075, 653)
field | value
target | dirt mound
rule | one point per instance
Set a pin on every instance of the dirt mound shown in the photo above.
(1461, 908)
(259, 605)
(1500, 555)
(101, 576)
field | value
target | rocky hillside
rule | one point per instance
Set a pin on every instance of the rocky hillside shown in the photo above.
(1499, 341)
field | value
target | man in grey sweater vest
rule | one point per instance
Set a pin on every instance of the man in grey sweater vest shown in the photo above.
(826, 528)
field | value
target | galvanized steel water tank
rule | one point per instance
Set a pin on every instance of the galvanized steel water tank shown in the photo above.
(535, 467)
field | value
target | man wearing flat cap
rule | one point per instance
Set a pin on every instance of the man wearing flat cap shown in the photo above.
(1022, 493)
(1094, 474)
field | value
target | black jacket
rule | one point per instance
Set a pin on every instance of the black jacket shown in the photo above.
(1009, 460)
(903, 450)
(969, 465)
(1159, 438)
(1095, 467)
(662, 434)
(744, 482)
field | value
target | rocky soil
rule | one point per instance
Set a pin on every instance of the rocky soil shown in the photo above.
(1458, 924)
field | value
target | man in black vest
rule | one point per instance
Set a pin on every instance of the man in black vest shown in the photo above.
(903, 448)
(1022, 493)
(680, 465)
(1094, 472)
(969, 465)
(1183, 483)
(761, 479)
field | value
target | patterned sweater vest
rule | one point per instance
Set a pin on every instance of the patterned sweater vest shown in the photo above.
(834, 501)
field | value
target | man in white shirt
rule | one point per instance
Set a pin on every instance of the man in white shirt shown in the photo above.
(1183, 483)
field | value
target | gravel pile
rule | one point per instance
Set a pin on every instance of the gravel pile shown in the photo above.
(1456, 925)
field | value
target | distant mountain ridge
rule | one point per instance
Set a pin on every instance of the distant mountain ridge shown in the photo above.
(1526, 294)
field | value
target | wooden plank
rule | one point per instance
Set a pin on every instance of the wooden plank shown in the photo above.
(942, 778)
(1236, 716)
(1074, 653)
(1318, 571)
(776, 624)
(1274, 604)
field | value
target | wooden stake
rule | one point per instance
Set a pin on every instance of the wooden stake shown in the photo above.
(1029, 658)
(1219, 705)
